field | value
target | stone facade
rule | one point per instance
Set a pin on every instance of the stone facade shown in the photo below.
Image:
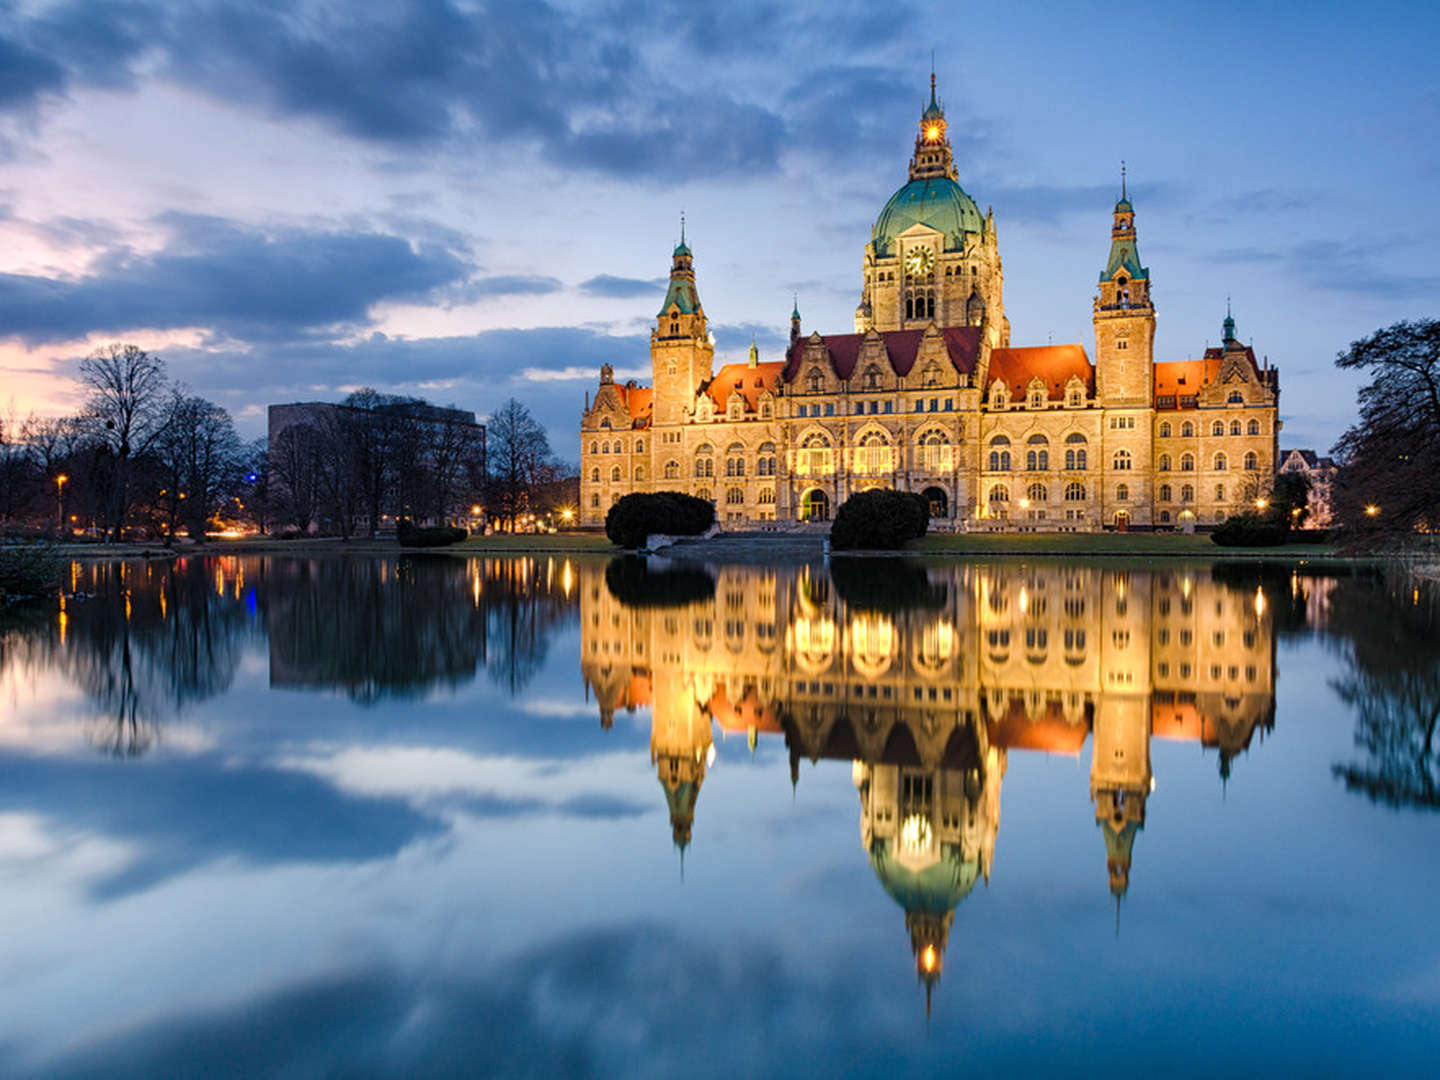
(1321, 472)
(928, 395)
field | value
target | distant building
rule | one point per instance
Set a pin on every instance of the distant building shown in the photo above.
(1321, 471)
(436, 454)
(928, 395)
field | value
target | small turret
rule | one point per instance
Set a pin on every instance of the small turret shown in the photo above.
(795, 321)
(754, 355)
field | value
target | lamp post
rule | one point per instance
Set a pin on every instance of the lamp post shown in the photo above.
(60, 504)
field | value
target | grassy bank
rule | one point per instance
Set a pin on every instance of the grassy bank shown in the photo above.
(329, 545)
(1146, 545)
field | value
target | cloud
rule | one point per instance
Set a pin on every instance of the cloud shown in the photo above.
(622, 288)
(580, 374)
(486, 288)
(184, 812)
(239, 281)
(25, 75)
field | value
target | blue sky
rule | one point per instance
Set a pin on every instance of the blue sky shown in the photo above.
(468, 202)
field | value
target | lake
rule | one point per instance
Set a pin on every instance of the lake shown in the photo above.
(565, 816)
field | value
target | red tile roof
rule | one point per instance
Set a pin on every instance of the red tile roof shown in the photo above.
(962, 343)
(1054, 364)
(1050, 731)
(640, 400)
(751, 382)
(1185, 378)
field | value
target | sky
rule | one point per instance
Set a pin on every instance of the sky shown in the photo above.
(467, 202)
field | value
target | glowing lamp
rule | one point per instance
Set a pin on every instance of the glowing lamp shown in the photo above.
(1261, 503)
(1371, 510)
(932, 133)
(929, 959)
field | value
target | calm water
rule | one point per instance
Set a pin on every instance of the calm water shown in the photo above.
(563, 817)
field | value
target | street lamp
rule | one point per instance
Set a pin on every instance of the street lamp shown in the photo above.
(60, 503)
(1261, 503)
(1371, 510)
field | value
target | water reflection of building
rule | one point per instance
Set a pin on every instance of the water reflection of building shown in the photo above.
(928, 686)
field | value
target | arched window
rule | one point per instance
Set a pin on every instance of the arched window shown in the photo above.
(1164, 463)
(999, 454)
(704, 493)
(1074, 492)
(1219, 462)
(1122, 460)
(639, 472)
(639, 446)
(1164, 493)
(1234, 427)
(998, 498)
(672, 470)
(1187, 430)
(1251, 461)
(1217, 428)
(1187, 493)
(767, 496)
(735, 460)
(935, 451)
(1122, 492)
(872, 378)
(1165, 429)
(1037, 493)
(614, 473)
(873, 454)
(765, 462)
(815, 454)
(595, 499)
(594, 476)
(734, 496)
(1253, 428)
(1219, 492)
(1164, 517)
(1037, 457)
(1187, 462)
(813, 379)
(594, 447)
(1236, 397)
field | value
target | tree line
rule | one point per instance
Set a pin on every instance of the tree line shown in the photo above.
(146, 458)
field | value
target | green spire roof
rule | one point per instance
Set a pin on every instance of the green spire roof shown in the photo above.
(935, 889)
(682, 294)
(933, 111)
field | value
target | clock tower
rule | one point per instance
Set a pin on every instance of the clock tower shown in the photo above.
(932, 256)
(681, 353)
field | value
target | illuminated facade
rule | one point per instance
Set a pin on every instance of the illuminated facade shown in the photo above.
(928, 395)
(928, 699)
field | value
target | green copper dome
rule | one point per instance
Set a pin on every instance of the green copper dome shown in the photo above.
(938, 202)
(936, 889)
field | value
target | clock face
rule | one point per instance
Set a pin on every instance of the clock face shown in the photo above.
(919, 261)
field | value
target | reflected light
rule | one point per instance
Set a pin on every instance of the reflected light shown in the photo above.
(929, 959)
(1259, 602)
(916, 837)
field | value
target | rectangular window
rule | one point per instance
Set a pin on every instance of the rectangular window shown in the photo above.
(859, 408)
(949, 405)
(934, 404)
(919, 406)
(887, 406)
(829, 409)
(800, 410)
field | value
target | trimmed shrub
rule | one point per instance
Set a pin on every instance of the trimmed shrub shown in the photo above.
(880, 520)
(1249, 530)
(411, 535)
(634, 517)
(636, 584)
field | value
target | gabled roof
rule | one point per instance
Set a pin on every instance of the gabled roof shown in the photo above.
(1052, 364)
(751, 382)
(962, 344)
(1185, 378)
(639, 400)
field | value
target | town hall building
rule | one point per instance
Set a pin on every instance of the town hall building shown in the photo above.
(927, 394)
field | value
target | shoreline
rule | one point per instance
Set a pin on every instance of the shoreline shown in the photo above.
(750, 547)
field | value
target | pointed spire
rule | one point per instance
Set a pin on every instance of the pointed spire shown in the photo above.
(1124, 197)
(795, 311)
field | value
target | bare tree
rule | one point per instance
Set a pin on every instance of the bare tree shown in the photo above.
(517, 451)
(127, 411)
(295, 470)
(201, 457)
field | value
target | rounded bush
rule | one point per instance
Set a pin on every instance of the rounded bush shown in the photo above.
(410, 535)
(634, 517)
(1249, 530)
(880, 520)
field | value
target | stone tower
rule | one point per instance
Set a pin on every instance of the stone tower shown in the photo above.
(1124, 320)
(681, 353)
(1120, 753)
